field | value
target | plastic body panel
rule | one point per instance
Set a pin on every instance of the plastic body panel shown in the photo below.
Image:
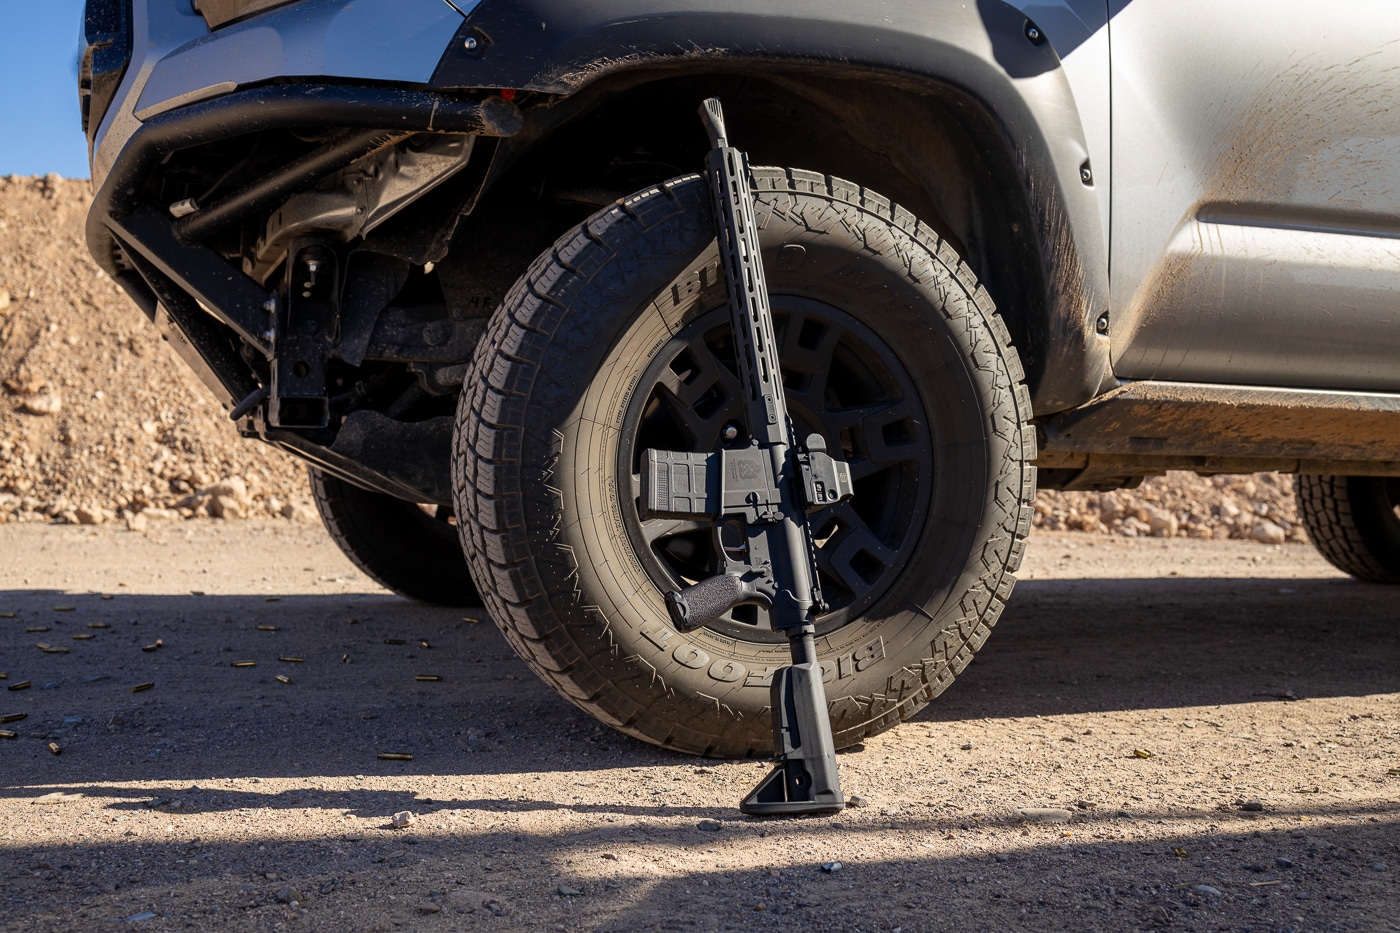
(367, 40)
(176, 60)
(1256, 210)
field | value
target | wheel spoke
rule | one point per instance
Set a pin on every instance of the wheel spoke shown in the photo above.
(702, 399)
(807, 347)
(875, 434)
(853, 556)
(658, 528)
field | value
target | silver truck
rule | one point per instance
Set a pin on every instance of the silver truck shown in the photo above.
(455, 255)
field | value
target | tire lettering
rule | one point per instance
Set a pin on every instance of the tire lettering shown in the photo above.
(760, 678)
(871, 653)
(658, 635)
(690, 656)
(844, 666)
(828, 672)
(727, 672)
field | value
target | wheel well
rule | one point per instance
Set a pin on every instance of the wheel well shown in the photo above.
(927, 146)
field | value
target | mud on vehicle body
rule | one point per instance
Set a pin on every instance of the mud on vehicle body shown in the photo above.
(449, 254)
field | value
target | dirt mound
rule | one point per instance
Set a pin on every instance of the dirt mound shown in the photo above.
(100, 420)
(98, 417)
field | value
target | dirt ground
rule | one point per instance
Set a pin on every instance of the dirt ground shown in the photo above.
(1219, 720)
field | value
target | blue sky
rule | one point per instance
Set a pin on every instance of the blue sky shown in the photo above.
(41, 128)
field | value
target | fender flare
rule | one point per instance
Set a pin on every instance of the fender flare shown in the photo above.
(981, 50)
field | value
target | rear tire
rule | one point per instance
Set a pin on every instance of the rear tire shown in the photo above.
(1353, 523)
(396, 543)
(616, 340)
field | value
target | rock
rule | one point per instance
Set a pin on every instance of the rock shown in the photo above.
(4, 299)
(710, 826)
(566, 891)
(1282, 862)
(471, 900)
(1206, 889)
(1162, 523)
(137, 522)
(403, 818)
(832, 867)
(234, 488)
(1045, 814)
(1002, 857)
(287, 895)
(855, 800)
(225, 507)
(48, 403)
(137, 918)
(89, 515)
(57, 797)
(1379, 866)
(428, 908)
(1133, 527)
(1252, 806)
(299, 512)
(159, 515)
(1266, 532)
(1299, 833)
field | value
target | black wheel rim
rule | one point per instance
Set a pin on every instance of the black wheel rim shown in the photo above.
(843, 381)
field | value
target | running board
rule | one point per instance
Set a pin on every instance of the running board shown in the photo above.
(1149, 427)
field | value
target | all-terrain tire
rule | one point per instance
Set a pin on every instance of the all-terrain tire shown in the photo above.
(396, 543)
(546, 511)
(1352, 522)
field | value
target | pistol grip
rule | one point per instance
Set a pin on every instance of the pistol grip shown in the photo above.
(697, 606)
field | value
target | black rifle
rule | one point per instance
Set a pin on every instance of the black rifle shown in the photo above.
(759, 494)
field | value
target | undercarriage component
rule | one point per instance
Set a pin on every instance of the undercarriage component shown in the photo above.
(303, 339)
(301, 173)
(189, 197)
(365, 195)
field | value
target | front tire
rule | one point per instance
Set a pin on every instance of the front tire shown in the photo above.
(1353, 523)
(615, 341)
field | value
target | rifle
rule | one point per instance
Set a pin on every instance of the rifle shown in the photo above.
(759, 492)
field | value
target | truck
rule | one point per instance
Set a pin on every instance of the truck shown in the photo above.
(457, 256)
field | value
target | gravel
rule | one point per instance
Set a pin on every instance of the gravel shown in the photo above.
(99, 420)
(1182, 646)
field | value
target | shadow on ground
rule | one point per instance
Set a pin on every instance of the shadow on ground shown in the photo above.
(1065, 646)
(500, 879)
